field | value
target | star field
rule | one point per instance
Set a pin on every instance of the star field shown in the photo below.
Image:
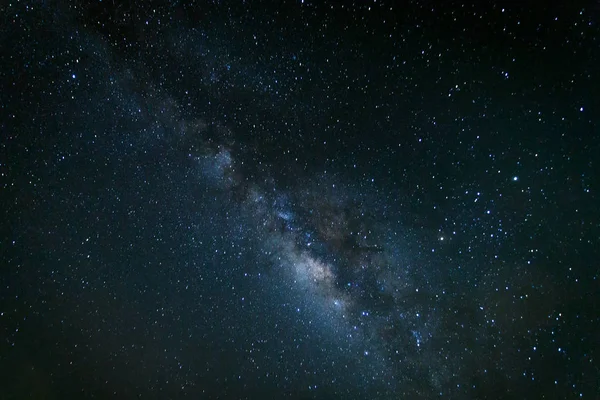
(374, 200)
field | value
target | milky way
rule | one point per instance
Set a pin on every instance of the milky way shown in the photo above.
(331, 240)
(364, 200)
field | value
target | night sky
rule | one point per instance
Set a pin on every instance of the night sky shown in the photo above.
(246, 200)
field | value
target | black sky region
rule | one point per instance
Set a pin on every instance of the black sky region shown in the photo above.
(368, 200)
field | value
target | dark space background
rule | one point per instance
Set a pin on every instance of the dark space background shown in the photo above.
(369, 200)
